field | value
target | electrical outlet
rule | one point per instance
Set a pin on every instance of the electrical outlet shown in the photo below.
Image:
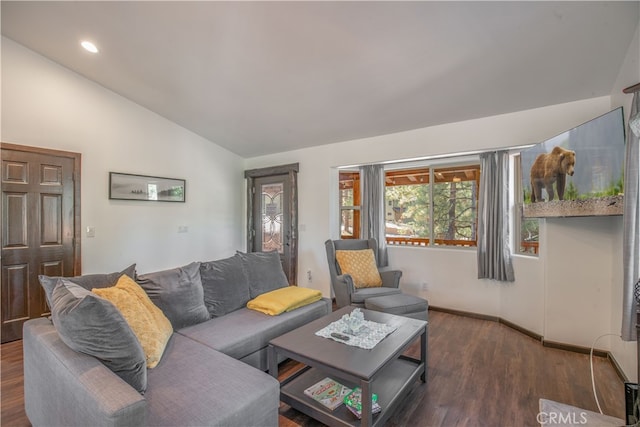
(91, 232)
(309, 277)
(183, 229)
(424, 286)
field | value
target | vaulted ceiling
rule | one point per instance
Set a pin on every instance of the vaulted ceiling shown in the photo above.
(266, 77)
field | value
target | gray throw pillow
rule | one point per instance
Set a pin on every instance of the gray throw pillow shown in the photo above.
(94, 326)
(225, 285)
(178, 293)
(264, 272)
(88, 281)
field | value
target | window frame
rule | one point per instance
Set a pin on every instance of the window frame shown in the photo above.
(349, 179)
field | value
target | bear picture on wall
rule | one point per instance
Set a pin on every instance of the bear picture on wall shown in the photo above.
(576, 173)
(551, 168)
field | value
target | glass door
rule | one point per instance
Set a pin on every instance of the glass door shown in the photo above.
(272, 214)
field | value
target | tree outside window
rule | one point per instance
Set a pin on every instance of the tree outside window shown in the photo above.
(423, 206)
(445, 210)
(407, 214)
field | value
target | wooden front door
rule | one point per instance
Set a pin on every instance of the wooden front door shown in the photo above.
(40, 229)
(272, 209)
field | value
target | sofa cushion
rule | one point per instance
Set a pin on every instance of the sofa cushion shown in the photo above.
(243, 332)
(94, 326)
(225, 285)
(178, 293)
(284, 299)
(361, 266)
(88, 281)
(194, 385)
(147, 321)
(264, 272)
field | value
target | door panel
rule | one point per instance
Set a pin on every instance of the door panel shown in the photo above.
(52, 222)
(40, 209)
(272, 222)
(14, 232)
(17, 287)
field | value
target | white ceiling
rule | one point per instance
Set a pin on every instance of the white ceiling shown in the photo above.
(267, 77)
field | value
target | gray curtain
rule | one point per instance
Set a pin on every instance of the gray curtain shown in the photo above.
(494, 254)
(631, 218)
(372, 219)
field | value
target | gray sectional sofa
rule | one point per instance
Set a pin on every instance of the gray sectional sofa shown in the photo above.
(212, 368)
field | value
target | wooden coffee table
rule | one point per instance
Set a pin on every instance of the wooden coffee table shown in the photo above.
(383, 370)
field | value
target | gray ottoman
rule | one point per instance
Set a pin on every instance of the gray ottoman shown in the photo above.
(399, 304)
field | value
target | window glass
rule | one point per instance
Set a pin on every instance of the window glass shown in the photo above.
(349, 191)
(455, 205)
(437, 206)
(407, 201)
(422, 205)
(529, 236)
(526, 230)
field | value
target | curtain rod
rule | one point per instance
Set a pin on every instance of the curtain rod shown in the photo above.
(632, 89)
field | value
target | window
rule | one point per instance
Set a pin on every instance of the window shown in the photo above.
(455, 205)
(446, 210)
(526, 230)
(416, 209)
(407, 199)
(349, 205)
(529, 236)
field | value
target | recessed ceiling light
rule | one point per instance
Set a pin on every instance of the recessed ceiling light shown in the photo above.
(89, 46)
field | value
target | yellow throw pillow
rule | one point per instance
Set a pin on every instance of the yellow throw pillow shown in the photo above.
(284, 299)
(361, 266)
(147, 321)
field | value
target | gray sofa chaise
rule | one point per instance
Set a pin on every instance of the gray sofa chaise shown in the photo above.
(211, 371)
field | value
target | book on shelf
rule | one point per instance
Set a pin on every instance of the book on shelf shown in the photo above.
(353, 402)
(375, 408)
(328, 392)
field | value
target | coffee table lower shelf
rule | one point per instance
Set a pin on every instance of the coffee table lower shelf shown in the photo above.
(391, 385)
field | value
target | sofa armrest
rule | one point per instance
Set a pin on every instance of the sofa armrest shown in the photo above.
(391, 278)
(57, 378)
(343, 288)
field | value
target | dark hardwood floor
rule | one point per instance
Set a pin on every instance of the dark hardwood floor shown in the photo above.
(481, 373)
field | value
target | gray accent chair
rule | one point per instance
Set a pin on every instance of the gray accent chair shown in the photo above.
(342, 284)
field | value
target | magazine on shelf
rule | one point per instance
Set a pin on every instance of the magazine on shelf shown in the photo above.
(374, 410)
(353, 401)
(328, 392)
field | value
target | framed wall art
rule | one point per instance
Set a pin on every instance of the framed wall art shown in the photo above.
(577, 173)
(125, 186)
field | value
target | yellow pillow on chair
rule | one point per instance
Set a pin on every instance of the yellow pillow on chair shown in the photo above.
(361, 266)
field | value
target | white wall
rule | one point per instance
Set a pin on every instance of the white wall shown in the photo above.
(565, 295)
(579, 259)
(46, 105)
